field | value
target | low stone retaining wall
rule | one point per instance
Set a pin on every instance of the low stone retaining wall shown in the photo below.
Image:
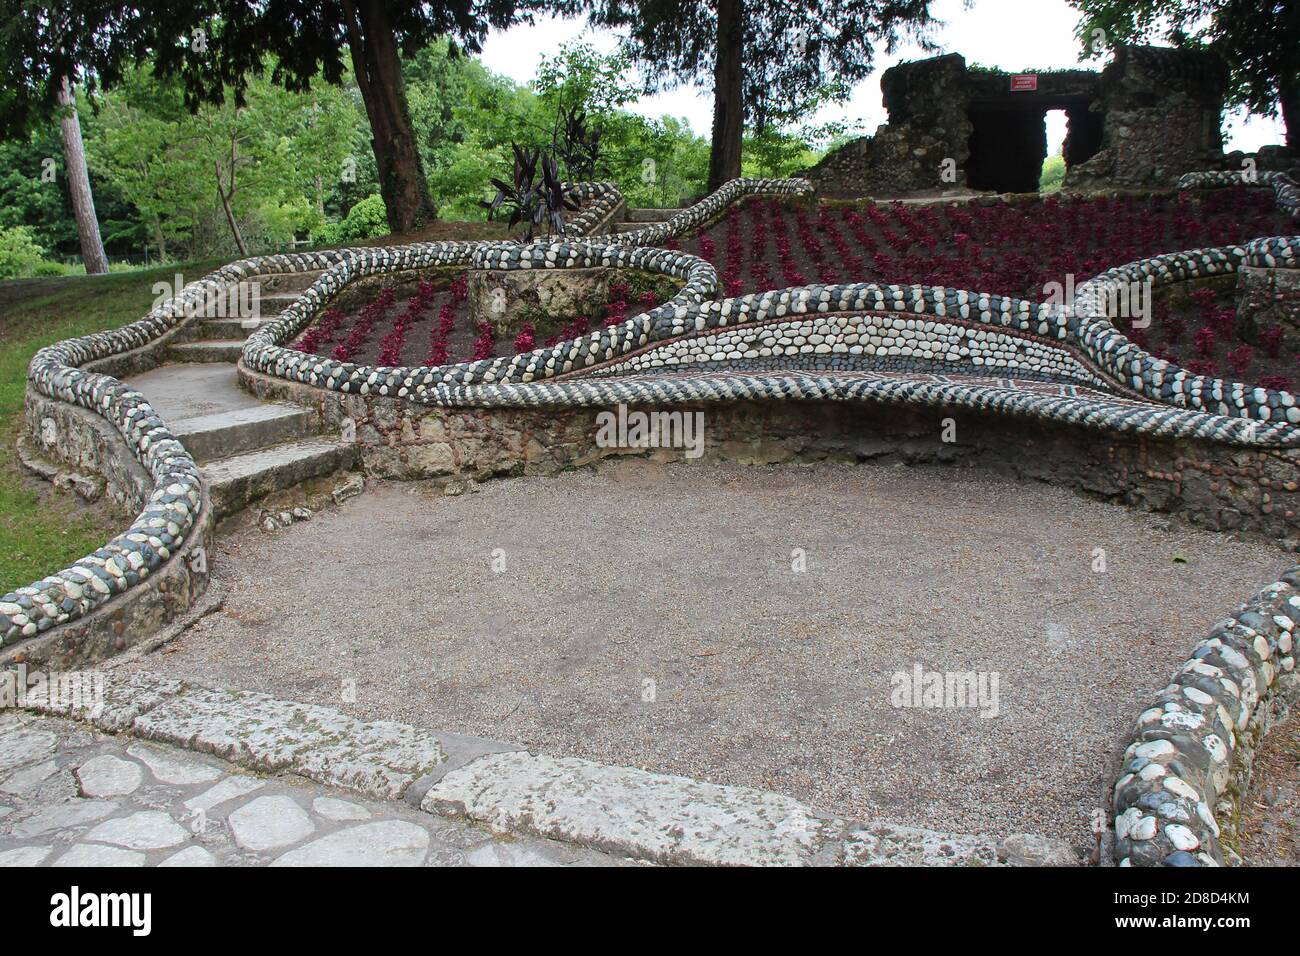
(1253, 491)
(1188, 766)
(88, 443)
(157, 596)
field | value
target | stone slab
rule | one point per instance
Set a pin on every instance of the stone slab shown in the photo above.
(623, 810)
(380, 758)
(185, 391)
(383, 843)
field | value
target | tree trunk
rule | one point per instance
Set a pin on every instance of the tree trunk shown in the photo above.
(83, 203)
(392, 137)
(226, 196)
(728, 94)
(1289, 98)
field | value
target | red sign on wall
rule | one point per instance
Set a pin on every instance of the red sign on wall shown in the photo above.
(1024, 81)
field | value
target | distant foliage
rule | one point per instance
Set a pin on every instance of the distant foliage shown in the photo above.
(1053, 174)
(368, 219)
(19, 254)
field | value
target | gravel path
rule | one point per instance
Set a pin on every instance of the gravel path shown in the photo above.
(681, 574)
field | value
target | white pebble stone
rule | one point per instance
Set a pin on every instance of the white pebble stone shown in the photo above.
(1144, 829)
(1154, 748)
(1181, 837)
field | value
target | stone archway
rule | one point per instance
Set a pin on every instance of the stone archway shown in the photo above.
(1008, 139)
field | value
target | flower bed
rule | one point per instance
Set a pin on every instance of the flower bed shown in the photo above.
(1007, 249)
(433, 326)
(1196, 328)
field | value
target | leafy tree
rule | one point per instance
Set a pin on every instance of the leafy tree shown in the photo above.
(225, 42)
(1258, 39)
(83, 199)
(767, 62)
(581, 77)
(465, 119)
(1053, 175)
(262, 165)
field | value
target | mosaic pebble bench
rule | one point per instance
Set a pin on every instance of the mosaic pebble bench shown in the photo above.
(862, 342)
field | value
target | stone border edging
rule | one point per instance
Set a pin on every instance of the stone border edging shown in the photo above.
(710, 207)
(1204, 411)
(1189, 757)
(647, 816)
(178, 494)
(1221, 410)
(1285, 191)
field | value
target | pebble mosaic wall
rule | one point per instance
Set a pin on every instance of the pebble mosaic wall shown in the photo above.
(1179, 403)
(1226, 411)
(1182, 770)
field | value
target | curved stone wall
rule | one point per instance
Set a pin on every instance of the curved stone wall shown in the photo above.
(1177, 402)
(1188, 764)
(177, 503)
(174, 505)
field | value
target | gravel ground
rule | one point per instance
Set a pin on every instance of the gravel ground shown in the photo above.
(1270, 814)
(681, 574)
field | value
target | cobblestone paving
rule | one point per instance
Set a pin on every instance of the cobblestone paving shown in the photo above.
(72, 797)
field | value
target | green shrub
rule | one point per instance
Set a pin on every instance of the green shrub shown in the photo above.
(366, 220)
(19, 253)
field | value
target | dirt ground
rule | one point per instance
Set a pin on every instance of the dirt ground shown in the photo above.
(1270, 818)
(656, 615)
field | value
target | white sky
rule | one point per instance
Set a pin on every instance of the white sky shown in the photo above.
(1011, 35)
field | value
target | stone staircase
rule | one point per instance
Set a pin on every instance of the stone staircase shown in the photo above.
(246, 447)
(221, 339)
(640, 218)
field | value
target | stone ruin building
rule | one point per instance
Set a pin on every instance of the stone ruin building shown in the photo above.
(1151, 115)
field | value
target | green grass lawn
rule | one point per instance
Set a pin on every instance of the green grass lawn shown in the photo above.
(43, 530)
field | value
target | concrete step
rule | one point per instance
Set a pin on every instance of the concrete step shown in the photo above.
(228, 433)
(651, 215)
(217, 350)
(629, 226)
(238, 481)
(191, 390)
(206, 330)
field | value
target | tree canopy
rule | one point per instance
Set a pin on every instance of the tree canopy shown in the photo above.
(1258, 39)
(216, 48)
(767, 62)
